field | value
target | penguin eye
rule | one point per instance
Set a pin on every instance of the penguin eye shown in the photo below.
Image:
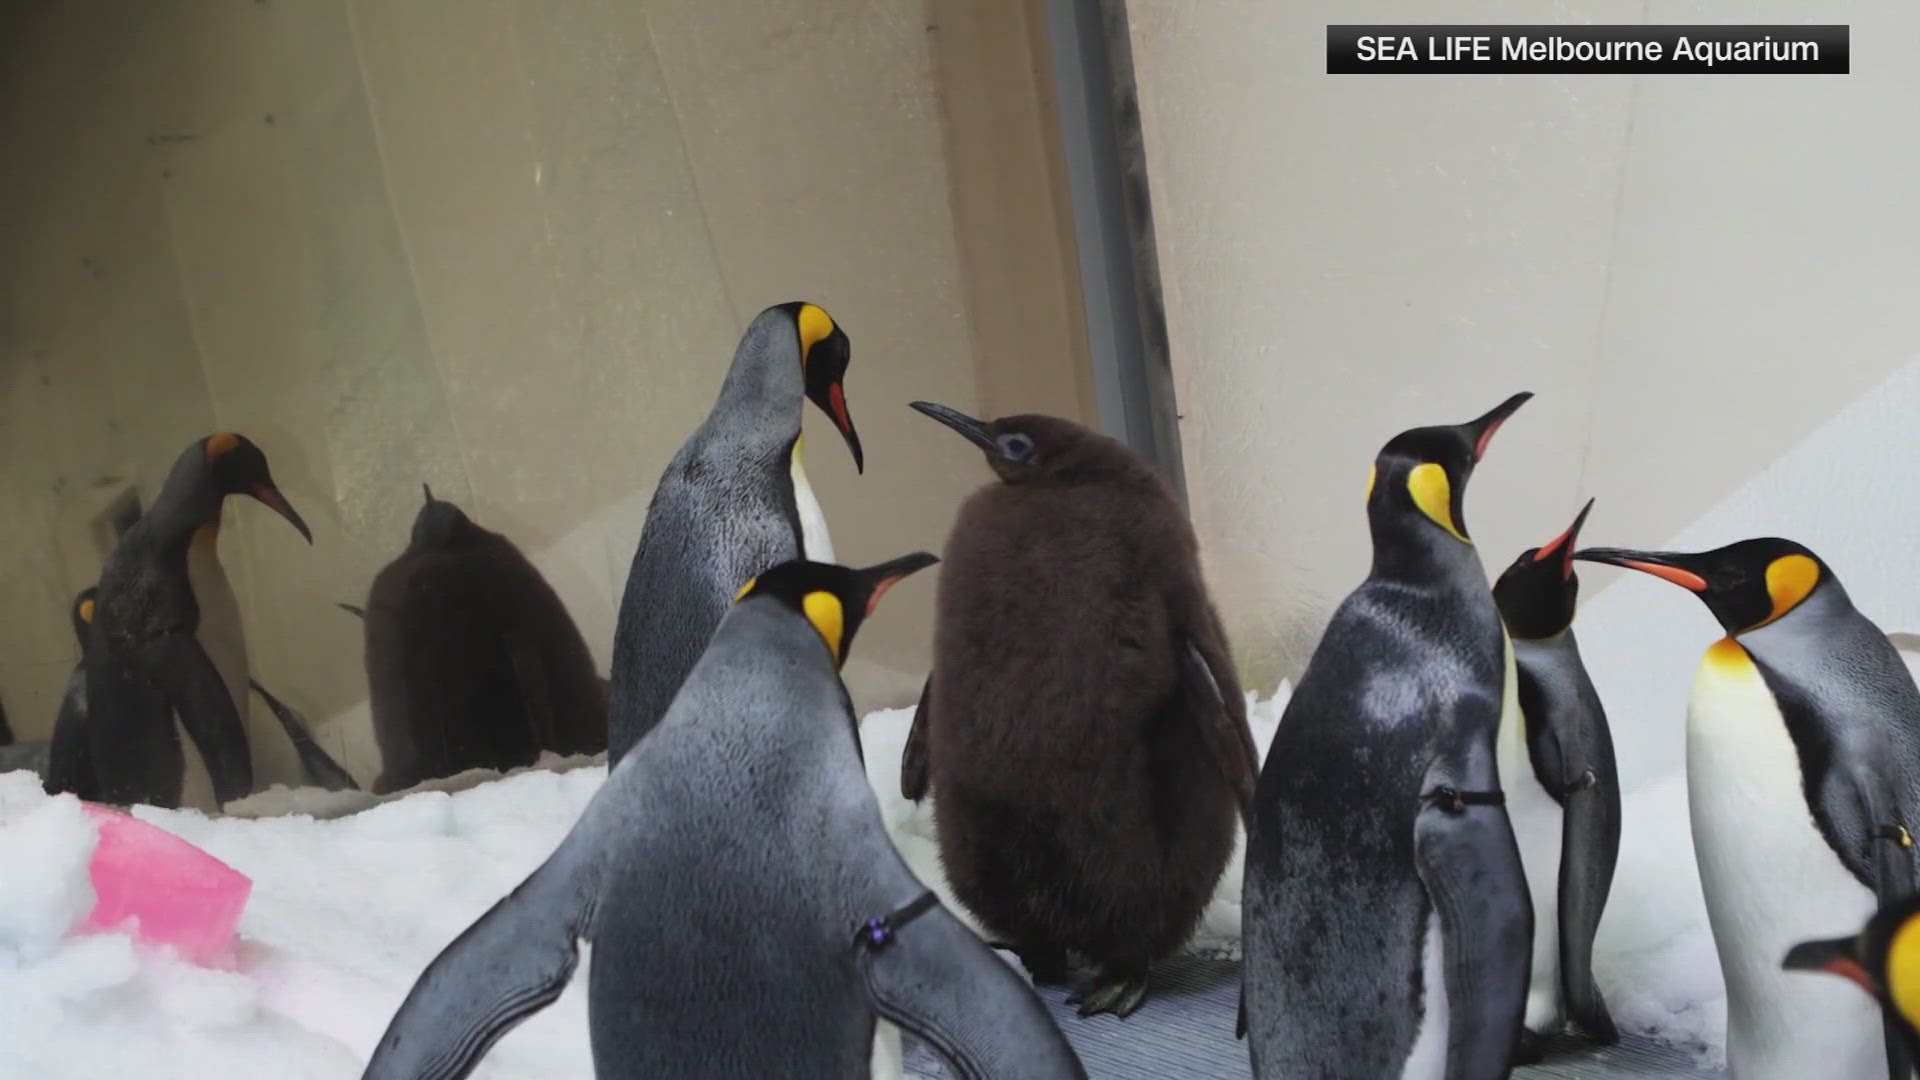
(1016, 447)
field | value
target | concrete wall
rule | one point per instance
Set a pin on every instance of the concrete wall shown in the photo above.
(1693, 272)
(504, 247)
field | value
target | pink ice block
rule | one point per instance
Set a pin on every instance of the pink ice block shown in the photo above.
(167, 891)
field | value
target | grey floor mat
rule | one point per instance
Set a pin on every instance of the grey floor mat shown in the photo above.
(1186, 1030)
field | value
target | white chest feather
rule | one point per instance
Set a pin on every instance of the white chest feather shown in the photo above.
(1427, 1060)
(815, 544)
(1537, 829)
(1770, 881)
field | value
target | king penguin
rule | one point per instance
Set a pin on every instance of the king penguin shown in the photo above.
(1803, 778)
(1083, 729)
(166, 652)
(472, 660)
(748, 912)
(1883, 959)
(1387, 922)
(70, 758)
(1563, 791)
(734, 501)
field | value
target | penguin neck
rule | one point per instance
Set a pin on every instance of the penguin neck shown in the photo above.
(1813, 617)
(188, 502)
(759, 404)
(1414, 552)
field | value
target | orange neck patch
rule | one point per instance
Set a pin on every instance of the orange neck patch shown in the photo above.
(1728, 653)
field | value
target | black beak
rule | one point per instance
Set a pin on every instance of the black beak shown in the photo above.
(270, 495)
(1481, 431)
(1562, 545)
(426, 490)
(1835, 957)
(879, 579)
(975, 430)
(1665, 565)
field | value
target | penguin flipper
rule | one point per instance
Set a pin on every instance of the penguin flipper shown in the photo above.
(1214, 701)
(511, 963)
(199, 697)
(1470, 864)
(70, 758)
(1590, 845)
(914, 765)
(315, 762)
(940, 982)
(536, 696)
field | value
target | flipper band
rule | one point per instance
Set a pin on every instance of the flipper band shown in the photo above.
(875, 934)
(1455, 801)
(1897, 833)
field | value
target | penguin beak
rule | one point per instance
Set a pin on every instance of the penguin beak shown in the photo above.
(1665, 565)
(1562, 545)
(879, 579)
(270, 495)
(1835, 957)
(976, 431)
(1481, 431)
(832, 399)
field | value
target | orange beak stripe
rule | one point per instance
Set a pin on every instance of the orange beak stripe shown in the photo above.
(1686, 579)
(1849, 969)
(839, 399)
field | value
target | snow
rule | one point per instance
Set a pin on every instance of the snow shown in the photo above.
(353, 895)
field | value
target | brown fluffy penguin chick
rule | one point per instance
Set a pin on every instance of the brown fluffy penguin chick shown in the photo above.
(472, 661)
(1083, 728)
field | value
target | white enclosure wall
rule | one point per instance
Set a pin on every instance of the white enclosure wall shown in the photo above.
(1693, 273)
(1712, 283)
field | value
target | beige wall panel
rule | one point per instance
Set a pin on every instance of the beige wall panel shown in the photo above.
(1344, 258)
(788, 110)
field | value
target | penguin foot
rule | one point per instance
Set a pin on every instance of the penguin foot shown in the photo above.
(1529, 1047)
(1111, 992)
(1047, 964)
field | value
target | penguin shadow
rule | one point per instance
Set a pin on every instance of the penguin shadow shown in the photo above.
(1185, 1028)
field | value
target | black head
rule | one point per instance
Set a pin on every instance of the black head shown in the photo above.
(1536, 594)
(439, 523)
(82, 614)
(1421, 475)
(835, 599)
(824, 353)
(1031, 446)
(237, 467)
(1883, 959)
(1746, 585)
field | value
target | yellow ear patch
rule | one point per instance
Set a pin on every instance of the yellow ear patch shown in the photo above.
(745, 589)
(86, 611)
(221, 444)
(1903, 969)
(827, 616)
(815, 325)
(1373, 473)
(1789, 579)
(1433, 493)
